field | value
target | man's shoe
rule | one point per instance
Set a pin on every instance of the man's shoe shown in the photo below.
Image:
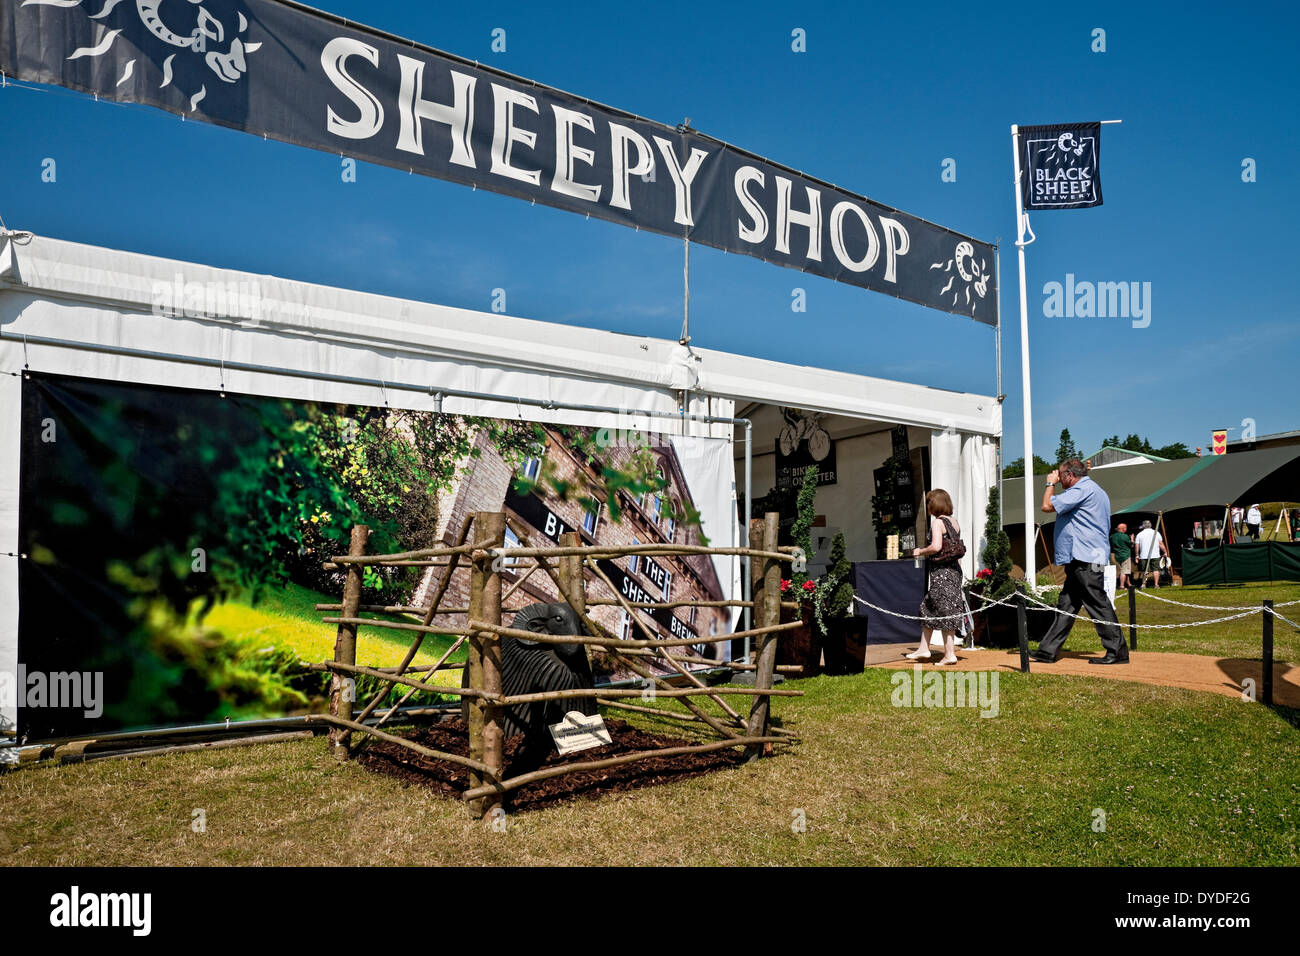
(1042, 658)
(1109, 659)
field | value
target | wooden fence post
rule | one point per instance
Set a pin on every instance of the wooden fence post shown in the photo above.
(486, 732)
(343, 686)
(767, 611)
(756, 526)
(572, 580)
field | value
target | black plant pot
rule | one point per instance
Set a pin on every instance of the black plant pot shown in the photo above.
(844, 644)
(801, 647)
(997, 626)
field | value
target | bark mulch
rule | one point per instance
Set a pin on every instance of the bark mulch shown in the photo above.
(451, 736)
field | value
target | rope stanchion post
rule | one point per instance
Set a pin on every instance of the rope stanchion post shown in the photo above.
(1022, 632)
(342, 687)
(1132, 617)
(486, 729)
(1266, 662)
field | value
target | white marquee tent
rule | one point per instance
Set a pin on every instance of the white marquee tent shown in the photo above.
(74, 309)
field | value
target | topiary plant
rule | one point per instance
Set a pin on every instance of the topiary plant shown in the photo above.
(834, 592)
(801, 531)
(996, 555)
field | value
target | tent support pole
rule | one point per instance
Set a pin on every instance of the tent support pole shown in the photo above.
(1031, 578)
(997, 348)
(686, 292)
(747, 584)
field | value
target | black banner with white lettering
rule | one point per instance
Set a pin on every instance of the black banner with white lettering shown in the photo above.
(285, 71)
(1060, 166)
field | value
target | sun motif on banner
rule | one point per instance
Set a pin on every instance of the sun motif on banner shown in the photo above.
(964, 275)
(187, 26)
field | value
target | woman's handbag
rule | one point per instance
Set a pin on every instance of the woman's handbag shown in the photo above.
(954, 549)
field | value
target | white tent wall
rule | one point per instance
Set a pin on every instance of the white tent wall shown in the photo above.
(964, 466)
(843, 393)
(977, 474)
(103, 297)
(108, 303)
(10, 400)
(123, 316)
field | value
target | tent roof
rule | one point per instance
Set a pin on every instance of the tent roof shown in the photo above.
(1272, 437)
(1123, 485)
(1243, 478)
(1238, 479)
(1125, 451)
(132, 282)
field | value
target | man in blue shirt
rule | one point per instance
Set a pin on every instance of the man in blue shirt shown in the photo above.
(1083, 550)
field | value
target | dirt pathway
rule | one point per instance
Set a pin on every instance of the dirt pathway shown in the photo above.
(1218, 675)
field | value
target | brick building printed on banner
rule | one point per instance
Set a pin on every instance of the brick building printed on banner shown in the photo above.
(486, 483)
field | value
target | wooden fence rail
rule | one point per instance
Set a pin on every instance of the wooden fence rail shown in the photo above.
(481, 545)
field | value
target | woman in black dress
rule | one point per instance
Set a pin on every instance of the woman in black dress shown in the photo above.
(943, 606)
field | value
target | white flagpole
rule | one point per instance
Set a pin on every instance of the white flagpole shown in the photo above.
(1031, 509)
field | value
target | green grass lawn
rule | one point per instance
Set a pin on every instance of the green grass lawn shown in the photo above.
(1181, 777)
(287, 617)
(1239, 639)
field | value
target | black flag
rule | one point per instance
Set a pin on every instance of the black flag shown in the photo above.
(1060, 166)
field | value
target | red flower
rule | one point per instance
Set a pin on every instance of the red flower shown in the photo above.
(984, 573)
(809, 586)
(785, 585)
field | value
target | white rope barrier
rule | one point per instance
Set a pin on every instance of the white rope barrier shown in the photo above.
(1149, 627)
(1202, 607)
(1271, 610)
(911, 617)
(883, 610)
(1079, 617)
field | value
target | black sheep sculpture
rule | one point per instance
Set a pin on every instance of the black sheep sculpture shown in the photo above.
(529, 667)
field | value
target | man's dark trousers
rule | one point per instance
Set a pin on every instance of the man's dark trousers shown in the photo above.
(1084, 587)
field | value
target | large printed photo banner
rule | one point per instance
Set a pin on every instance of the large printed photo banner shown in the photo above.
(176, 542)
(284, 71)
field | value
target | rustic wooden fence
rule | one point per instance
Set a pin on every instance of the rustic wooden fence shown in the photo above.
(483, 630)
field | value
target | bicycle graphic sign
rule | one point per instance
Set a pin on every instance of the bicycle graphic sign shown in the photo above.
(803, 442)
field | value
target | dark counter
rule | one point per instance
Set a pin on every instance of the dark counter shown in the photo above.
(897, 586)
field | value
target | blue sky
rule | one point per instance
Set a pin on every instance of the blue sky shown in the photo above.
(881, 97)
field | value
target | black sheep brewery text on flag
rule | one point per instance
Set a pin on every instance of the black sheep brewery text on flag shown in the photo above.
(285, 71)
(1061, 166)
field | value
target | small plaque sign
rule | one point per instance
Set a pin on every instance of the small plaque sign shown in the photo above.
(579, 732)
(891, 547)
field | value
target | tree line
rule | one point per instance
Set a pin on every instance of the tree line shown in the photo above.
(1066, 448)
